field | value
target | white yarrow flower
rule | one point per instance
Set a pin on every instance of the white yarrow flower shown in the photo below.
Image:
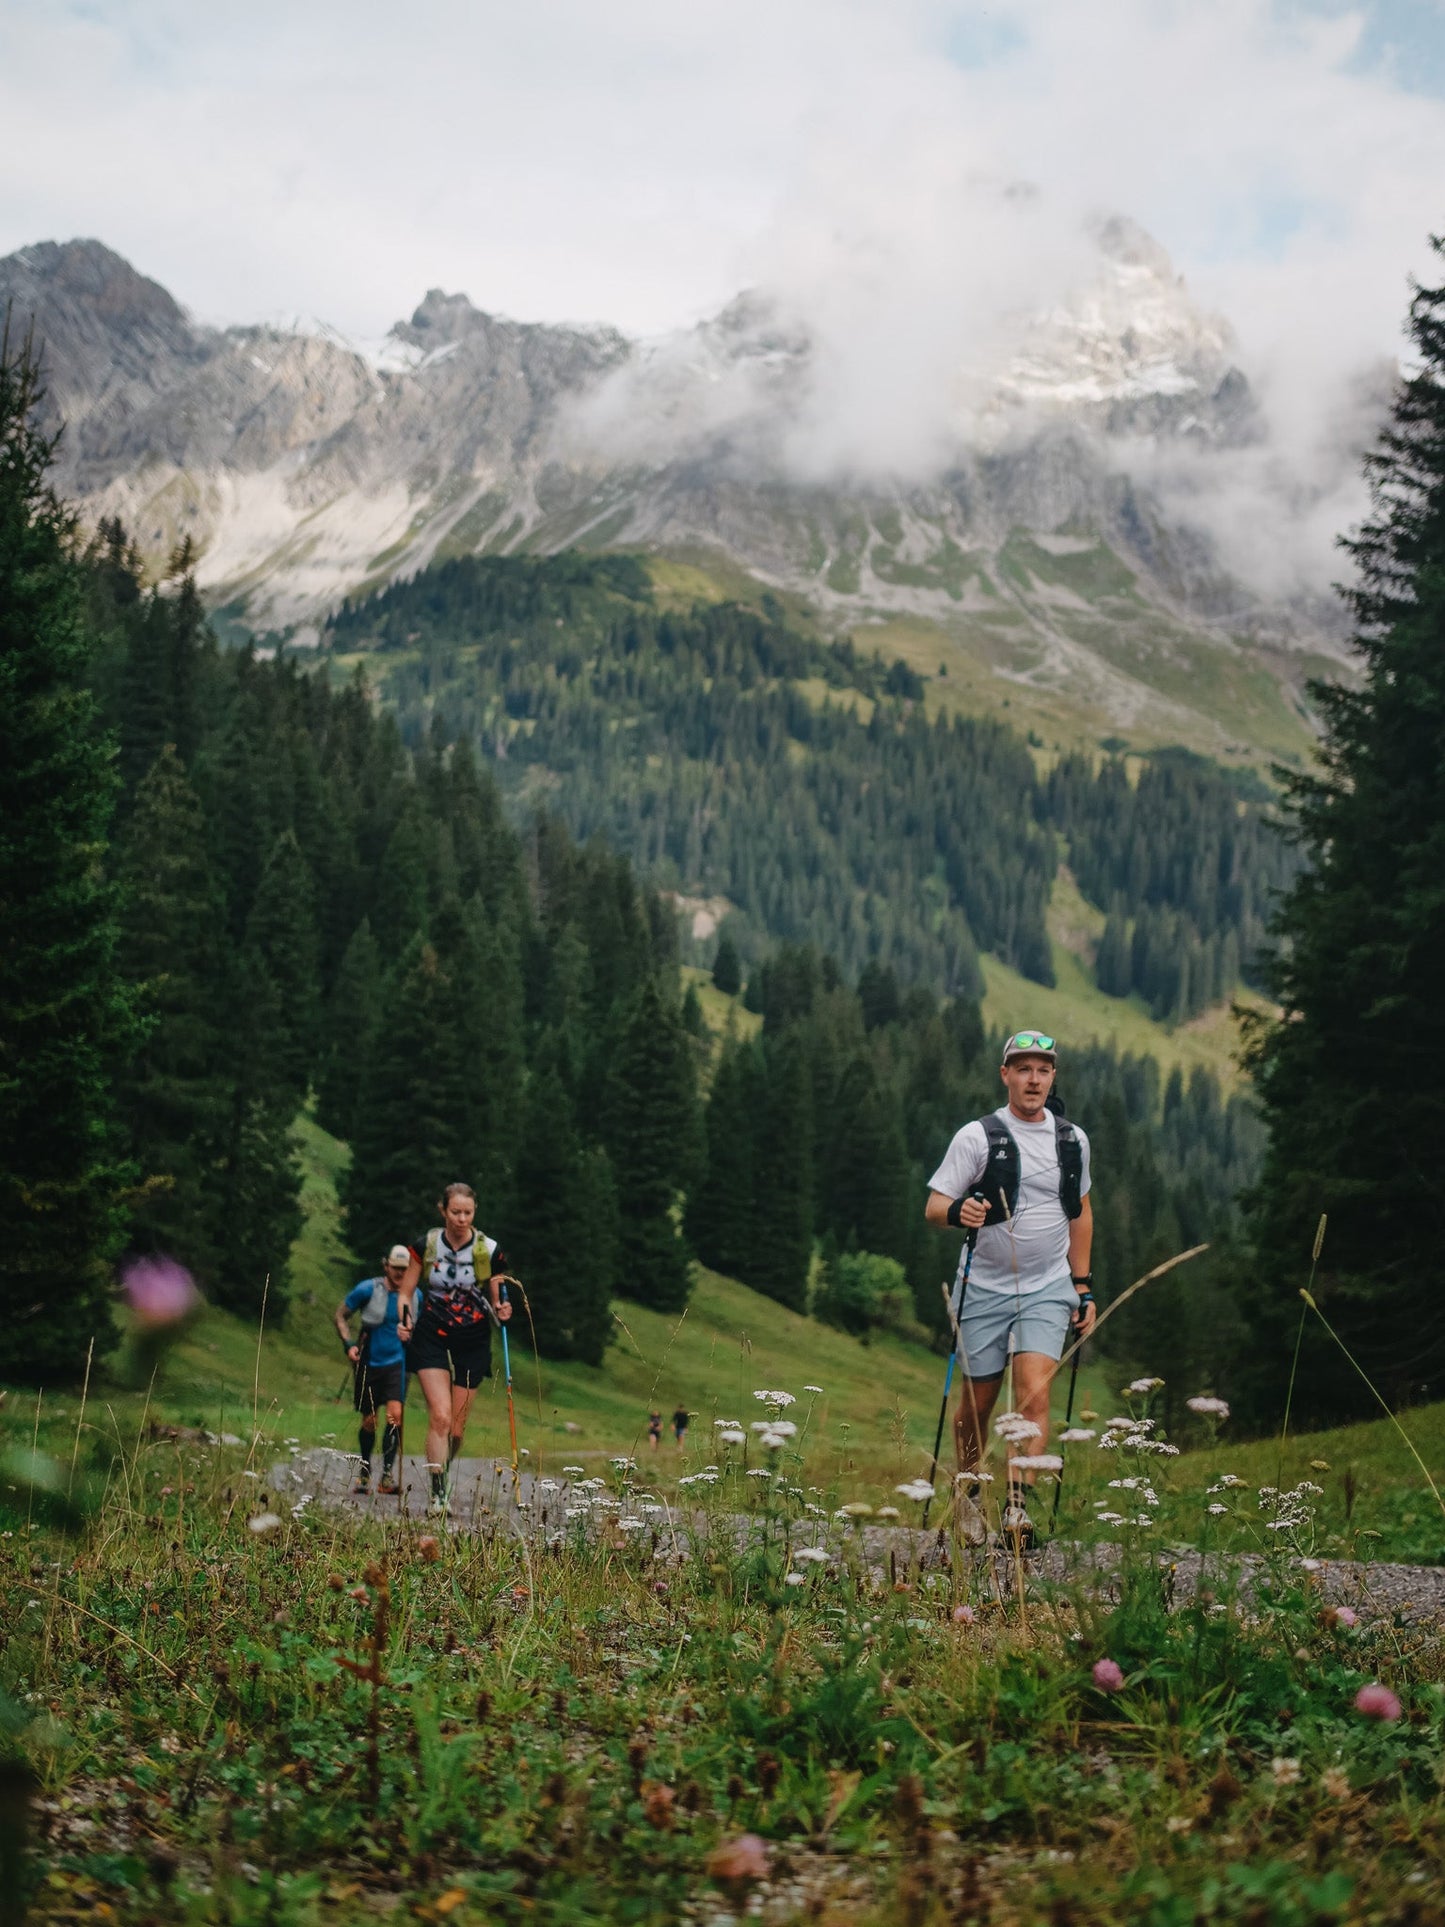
(734, 1435)
(1038, 1462)
(264, 1522)
(1208, 1407)
(916, 1489)
(810, 1555)
(1076, 1435)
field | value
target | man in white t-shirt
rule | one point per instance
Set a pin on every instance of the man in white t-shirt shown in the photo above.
(1020, 1177)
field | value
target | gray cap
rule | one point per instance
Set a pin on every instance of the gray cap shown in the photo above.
(1030, 1043)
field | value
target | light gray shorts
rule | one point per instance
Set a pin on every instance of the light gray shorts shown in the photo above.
(1038, 1321)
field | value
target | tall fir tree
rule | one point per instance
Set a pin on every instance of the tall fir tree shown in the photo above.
(866, 1179)
(1353, 1075)
(727, 967)
(720, 1202)
(652, 1126)
(282, 941)
(416, 1096)
(64, 1022)
(173, 1096)
(782, 1230)
(349, 1027)
(562, 1237)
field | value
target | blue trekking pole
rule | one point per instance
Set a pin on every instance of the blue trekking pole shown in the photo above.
(970, 1245)
(507, 1368)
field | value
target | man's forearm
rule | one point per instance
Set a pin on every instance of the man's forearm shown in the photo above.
(1081, 1242)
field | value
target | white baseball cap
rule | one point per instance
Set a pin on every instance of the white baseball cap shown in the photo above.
(399, 1255)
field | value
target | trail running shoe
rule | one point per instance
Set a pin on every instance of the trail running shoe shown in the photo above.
(361, 1488)
(440, 1506)
(387, 1485)
(1019, 1528)
(972, 1528)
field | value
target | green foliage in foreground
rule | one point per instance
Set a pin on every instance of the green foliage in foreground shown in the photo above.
(240, 1725)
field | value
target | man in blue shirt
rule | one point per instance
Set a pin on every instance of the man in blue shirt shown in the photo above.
(380, 1363)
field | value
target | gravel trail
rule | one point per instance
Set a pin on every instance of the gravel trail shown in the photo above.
(487, 1497)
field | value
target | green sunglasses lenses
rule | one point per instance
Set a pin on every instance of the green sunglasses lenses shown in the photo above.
(1030, 1040)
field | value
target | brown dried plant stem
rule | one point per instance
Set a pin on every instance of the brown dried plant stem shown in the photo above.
(371, 1672)
(1169, 1264)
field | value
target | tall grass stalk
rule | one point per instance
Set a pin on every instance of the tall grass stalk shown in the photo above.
(80, 1416)
(1319, 1246)
(1409, 1442)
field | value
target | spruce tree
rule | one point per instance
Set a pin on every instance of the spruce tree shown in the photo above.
(1351, 1077)
(727, 968)
(562, 1234)
(256, 1201)
(64, 1024)
(781, 1243)
(349, 1026)
(652, 1124)
(866, 1179)
(415, 1096)
(173, 1097)
(282, 941)
(720, 1203)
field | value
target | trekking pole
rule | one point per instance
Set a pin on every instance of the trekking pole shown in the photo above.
(1068, 1421)
(507, 1368)
(970, 1245)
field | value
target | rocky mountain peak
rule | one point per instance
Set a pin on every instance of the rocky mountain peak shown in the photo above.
(443, 317)
(88, 274)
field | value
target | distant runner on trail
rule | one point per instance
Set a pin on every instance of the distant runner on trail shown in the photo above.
(679, 1423)
(455, 1277)
(1030, 1278)
(654, 1429)
(379, 1378)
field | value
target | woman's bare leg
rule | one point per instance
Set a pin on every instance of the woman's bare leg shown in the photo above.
(436, 1385)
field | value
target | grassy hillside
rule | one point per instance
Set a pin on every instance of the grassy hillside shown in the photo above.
(1132, 674)
(1078, 1012)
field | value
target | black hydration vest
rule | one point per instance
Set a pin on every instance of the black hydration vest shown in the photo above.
(1000, 1180)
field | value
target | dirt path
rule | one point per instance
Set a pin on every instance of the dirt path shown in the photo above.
(486, 1496)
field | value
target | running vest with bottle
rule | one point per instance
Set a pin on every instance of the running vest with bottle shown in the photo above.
(455, 1282)
(1000, 1180)
(373, 1312)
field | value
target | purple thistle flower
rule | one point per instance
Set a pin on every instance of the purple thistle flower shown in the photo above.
(160, 1291)
(1377, 1702)
(1107, 1675)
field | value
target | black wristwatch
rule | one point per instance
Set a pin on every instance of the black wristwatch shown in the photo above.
(1081, 1284)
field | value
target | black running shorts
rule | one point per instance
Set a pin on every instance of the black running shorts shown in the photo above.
(466, 1352)
(373, 1388)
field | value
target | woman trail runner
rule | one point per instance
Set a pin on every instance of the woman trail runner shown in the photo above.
(379, 1378)
(455, 1278)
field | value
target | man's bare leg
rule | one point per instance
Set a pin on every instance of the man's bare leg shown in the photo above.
(970, 1436)
(970, 1422)
(1033, 1381)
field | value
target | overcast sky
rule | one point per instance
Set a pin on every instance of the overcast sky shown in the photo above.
(638, 161)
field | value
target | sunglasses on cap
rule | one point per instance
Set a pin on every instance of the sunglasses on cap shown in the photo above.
(1023, 1040)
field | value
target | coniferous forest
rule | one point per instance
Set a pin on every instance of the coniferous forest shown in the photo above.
(730, 756)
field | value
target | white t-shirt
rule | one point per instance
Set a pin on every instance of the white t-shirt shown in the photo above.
(1030, 1252)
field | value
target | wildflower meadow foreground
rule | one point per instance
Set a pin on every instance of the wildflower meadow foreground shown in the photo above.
(233, 1700)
